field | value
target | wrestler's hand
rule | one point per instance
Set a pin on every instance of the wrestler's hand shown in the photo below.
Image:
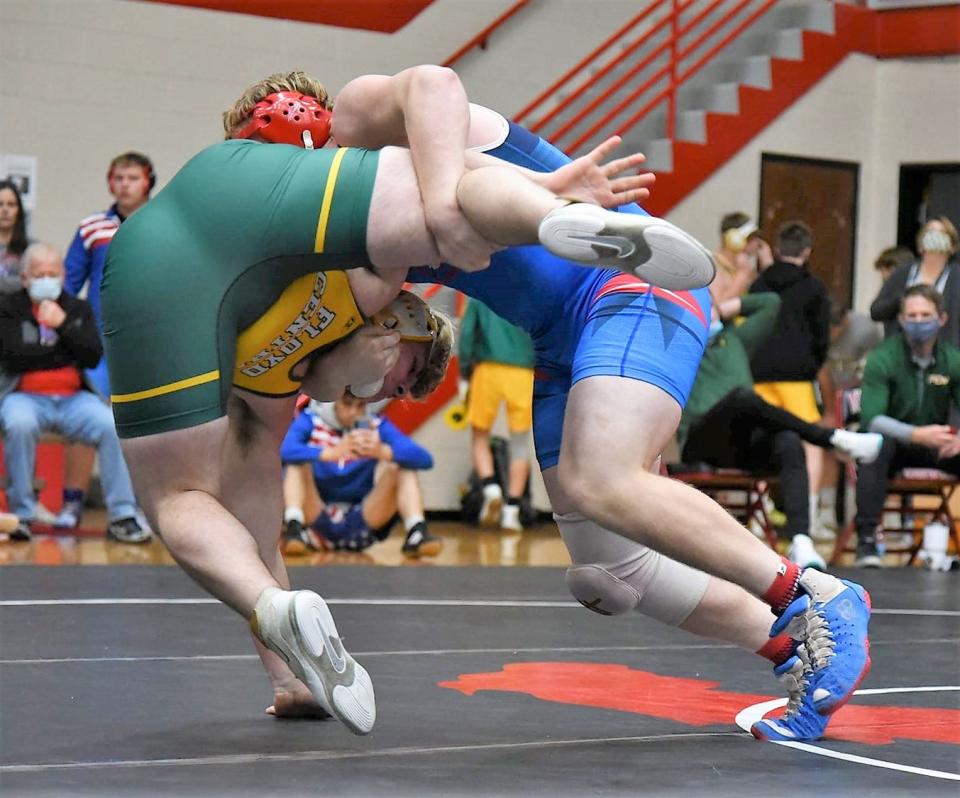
(457, 242)
(590, 180)
(363, 358)
(367, 355)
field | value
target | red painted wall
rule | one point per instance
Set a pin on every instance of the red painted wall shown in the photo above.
(386, 16)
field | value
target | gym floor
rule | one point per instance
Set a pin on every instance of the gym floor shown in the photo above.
(128, 679)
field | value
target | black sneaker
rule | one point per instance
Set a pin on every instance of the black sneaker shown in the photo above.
(420, 543)
(296, 539)
(22, 531)
(128, 530)
(868, 554)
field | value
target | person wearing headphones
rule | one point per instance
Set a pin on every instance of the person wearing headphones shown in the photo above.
(742, 255)
(130, 179)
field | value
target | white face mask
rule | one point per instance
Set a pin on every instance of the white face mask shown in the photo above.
(41, 288)
(935, 241)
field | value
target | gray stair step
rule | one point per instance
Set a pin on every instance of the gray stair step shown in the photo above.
(722, 97)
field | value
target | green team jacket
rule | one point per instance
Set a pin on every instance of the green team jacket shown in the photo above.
(895, 385)
(726, 360)
(486, 338)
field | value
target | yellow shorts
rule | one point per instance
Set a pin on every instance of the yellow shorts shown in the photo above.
(794, 397)
(493, 383)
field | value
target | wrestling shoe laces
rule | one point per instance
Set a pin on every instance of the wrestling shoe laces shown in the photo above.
(818, 640)
(795, 680)
(830, 617)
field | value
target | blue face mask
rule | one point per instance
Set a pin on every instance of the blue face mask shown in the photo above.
(920, 332)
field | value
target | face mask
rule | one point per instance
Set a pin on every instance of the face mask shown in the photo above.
(920, 332)
(41, 288)
(714, 330)
(935, 241)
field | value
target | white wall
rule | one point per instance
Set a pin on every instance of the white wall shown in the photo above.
(879, 114)
(82, 80)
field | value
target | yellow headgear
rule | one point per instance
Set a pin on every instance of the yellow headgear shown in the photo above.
(410, 316)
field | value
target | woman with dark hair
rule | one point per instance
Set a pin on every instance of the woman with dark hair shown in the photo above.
(937, 243)
(13, 236)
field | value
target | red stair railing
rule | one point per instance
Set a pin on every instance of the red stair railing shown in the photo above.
(674, 44)
(480, 40)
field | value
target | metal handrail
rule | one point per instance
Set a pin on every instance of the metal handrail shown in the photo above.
(480, 40)
(675, 77)
(600, 50)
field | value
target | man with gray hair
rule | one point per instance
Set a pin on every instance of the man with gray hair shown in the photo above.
(47, 338)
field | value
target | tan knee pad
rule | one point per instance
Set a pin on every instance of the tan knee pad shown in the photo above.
(612, 575)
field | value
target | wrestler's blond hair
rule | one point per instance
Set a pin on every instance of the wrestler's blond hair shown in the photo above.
(237, 116)
(435, 369)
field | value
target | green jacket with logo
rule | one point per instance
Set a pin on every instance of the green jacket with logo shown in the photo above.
(726, 360)
(895, 385)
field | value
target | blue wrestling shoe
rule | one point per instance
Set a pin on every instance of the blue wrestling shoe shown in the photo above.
(830, 620)
(650, 248)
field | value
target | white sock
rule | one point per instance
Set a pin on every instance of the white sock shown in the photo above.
(828, 497)
(412, 521)
(293, 514)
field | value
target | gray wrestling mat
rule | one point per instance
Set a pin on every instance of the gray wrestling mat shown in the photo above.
(490, 682)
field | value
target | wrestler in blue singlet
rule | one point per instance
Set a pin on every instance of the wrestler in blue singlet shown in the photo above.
(584, 322)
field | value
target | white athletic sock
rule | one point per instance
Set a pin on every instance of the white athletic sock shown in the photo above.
(293, 514)
(828, 497)
(412, 521)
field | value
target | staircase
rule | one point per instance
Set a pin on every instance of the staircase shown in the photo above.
(694, 82)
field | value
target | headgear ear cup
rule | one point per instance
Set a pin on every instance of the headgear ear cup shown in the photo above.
(135, 158)
(735, 239)
(288, 117)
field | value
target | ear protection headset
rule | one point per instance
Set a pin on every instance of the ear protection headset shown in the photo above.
(140, 160)
(735, 239)
(288, 117)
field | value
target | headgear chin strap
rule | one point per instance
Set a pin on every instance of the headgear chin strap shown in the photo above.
(288, 117)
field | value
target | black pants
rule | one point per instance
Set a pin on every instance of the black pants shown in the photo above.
(872, 479)
(743, 431)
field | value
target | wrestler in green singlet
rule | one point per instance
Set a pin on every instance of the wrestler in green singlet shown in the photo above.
(220, 280)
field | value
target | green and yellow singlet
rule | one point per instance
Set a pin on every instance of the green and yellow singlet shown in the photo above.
(227, 278)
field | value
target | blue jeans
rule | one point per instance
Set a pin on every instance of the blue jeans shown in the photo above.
(83, 418)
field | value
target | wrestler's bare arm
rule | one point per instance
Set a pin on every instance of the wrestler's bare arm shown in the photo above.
(424, 108)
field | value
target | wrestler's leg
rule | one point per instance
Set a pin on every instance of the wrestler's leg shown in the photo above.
(506, 209)
(178, 477)
(623, 575)
(631, 422)
(251, 480)
(397, 234)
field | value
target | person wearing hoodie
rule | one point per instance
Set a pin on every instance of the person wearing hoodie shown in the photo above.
(786, 365)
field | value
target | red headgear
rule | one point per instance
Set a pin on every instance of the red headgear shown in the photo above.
(288, 117)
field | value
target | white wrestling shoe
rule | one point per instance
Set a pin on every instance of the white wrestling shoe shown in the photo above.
(297, 625)
(645, 246)
(864, 447)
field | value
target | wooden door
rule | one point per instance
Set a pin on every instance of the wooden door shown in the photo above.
(822, 194)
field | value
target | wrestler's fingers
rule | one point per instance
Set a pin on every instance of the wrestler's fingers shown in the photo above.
(604, 148)
(623, 164)
(631, 183)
